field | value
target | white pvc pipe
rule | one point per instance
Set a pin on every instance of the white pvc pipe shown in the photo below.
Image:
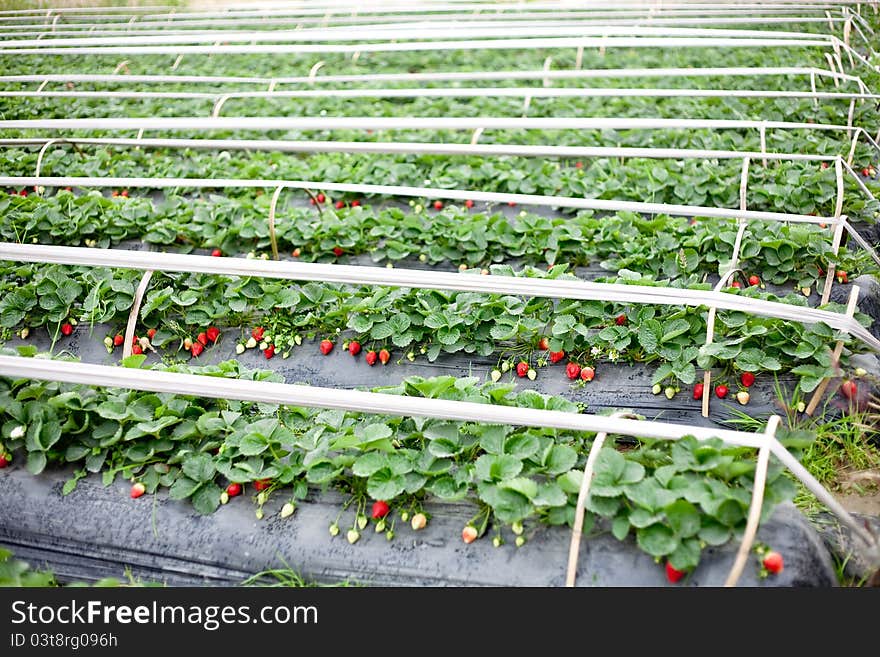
(421, 192)
(332, 9)
(353, 400)
(451, 92)
(415, 278)
(425, 46)
(568, 74)
(413, 32)
(432, 148)
(366, 22)
(402, 123)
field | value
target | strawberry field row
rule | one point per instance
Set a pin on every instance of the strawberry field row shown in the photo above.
(676, 497)
(784, 186)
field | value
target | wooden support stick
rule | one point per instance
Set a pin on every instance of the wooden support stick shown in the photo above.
(835, 355)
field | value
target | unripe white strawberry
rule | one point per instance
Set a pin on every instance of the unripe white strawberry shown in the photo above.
(224, 497)
(505, 365)
(108, 342)
(239, 348)
(297, 340)
(251, 343)
(361, 521)
(532, 374)
(861, 371)
(517, 528)
(24, 333)
(657, 389)
(520, 541)
(287, 510)
(353, 536)
(469, 534)
(334, 529)
(496, 541)
(259, 513)
(743, 397)
(496, 374)
(669, 392)
(801, 407)
(419, 521)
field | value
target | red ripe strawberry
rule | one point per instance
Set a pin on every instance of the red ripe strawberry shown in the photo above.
(543, 344)
(137, 490)
(197, 349)
(754, 280)
(213, 333)
(354, 347)
(721, 391)
(216, 253)
(355, 204)
(572, 370)
(438, 205)
(588, 373)
(512, 204)
(311, 200)
(469, 204)
(269, 351)
(339, 205)
(23, 192)
(621, 320)
(747, 379)
(137, 350)
(674, 575)
(202, 338)
(118, 339)
(698, 391)
(556, 356)
(736, 284)
(371, 357)
(579, 165)
(384, 356)
(773, 563)
(380, 509)
(842, 277)
(66, 329)
(321, 198)
(257, 333)
(114, 194)
(824, 165)
(262, 484)
(4, 460)
(124, 193)
(296, 252)
(337, 251)
(866, 172)
(522, 368)
(151, 333)
(849, 389)
(326, 347)
(233, 490)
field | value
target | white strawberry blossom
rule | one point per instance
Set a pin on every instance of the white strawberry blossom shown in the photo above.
(18, 432)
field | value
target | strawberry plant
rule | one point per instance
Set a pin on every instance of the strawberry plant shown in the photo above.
(673, 497)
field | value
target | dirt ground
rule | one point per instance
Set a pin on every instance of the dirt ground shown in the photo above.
(861, 492)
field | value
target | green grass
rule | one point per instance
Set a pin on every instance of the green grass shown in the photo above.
(842, 445)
